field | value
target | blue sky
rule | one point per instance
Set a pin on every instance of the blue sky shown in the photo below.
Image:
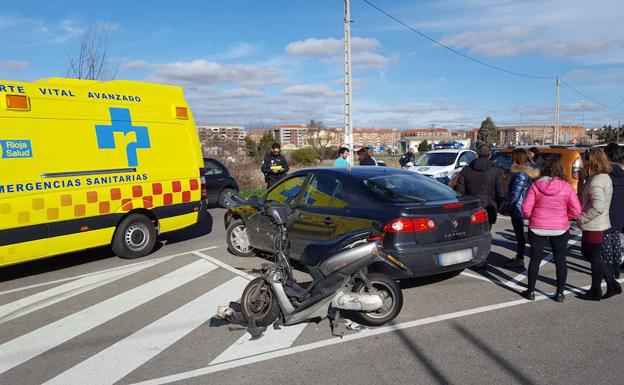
(280, 62)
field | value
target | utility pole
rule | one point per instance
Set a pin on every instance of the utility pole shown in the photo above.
(556, 138)
(348, 125)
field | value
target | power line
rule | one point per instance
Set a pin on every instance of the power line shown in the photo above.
(491, 66)
(497, 68)
(590, 98)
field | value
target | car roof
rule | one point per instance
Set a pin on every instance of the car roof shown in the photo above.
(449, 150)
(548, 150)
(354, 171)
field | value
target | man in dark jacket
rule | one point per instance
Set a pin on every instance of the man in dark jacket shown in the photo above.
(483, 180)
(274, 166)
(408, 157)
(536, 158)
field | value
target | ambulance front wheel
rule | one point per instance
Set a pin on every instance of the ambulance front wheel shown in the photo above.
(135, 237)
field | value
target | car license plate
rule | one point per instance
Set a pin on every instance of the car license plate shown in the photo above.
(454, 257)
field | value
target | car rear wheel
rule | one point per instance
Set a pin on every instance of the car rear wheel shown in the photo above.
(226, 196)
(238, 239)
(135, 237)
(392, 300)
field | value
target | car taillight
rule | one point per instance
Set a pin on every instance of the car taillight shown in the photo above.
(480, 216)
(202, 178)
(458, 205)
(409, 225)
(576, 168)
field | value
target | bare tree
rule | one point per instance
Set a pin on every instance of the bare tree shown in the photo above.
(93, 60)
(319, 138)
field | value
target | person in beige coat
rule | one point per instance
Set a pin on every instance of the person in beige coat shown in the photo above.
(594, 221)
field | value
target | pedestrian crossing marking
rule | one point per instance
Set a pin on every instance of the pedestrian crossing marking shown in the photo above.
(30, 345)
(122, 358)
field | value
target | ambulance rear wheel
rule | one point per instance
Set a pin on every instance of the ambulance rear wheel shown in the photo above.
(135, 237)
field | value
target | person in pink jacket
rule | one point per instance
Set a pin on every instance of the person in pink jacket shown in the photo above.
(550, 204)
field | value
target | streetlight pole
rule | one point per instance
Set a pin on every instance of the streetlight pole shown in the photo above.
(556, 138)
(348, 118)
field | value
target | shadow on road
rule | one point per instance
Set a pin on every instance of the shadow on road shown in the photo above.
(428, 363)
(495, 356)
(197, 230)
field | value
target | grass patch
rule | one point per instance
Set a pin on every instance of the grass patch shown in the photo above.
(252, 192)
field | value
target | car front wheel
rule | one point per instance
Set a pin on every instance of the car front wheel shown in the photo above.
(238, 239)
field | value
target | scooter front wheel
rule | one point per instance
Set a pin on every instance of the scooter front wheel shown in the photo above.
(392, 296)
(259, 304)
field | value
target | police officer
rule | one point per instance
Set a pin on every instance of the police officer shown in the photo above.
(274, 166)
(408, 157)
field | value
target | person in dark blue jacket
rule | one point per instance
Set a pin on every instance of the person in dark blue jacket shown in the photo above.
(521, 178)
(611, 245)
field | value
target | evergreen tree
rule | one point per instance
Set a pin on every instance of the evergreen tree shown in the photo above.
(488, 133)
(424, 146)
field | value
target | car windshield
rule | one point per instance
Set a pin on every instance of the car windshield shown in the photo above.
(437, 159)
(405, 188)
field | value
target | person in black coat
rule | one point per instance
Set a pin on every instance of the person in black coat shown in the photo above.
(521, 178)
(611, 246)
(274, 166)
(483, 180)
(408, 157)
(365, 158)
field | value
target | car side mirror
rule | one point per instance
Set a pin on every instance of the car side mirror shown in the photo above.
(254, 201)
(462, 164)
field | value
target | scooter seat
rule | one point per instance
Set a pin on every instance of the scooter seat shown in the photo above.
(315, 253)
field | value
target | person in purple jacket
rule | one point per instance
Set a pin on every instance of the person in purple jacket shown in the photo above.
(550, 204)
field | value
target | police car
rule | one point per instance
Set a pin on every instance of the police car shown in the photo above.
(443, 165)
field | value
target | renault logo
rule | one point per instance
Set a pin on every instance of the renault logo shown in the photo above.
(455, 223)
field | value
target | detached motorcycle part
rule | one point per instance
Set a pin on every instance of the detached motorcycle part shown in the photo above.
(392, 296)
(259, 303)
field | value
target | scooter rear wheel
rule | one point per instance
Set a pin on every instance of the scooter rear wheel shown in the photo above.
(393, 300)
(259, 304)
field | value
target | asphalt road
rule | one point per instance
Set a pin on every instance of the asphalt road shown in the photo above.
(92, 318)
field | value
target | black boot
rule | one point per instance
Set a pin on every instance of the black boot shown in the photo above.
(559, 297)
(613, 288)
(529, 294)
(591, 295)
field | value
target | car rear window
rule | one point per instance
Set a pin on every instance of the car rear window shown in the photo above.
(406, 188)
(502, 160)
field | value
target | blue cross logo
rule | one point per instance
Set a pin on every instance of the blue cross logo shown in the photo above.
(122, 122)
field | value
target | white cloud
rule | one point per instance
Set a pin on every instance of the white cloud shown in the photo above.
(135, 65)
(238, 51)
(331, 51)
(203, 72)
(13, 65)
(243, 92)
(311, 90)
(330, 46)
(578, 29)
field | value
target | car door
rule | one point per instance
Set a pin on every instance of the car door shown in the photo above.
(261, 229)
(215, 179)
(319, 213)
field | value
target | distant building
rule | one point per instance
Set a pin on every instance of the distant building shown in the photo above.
(290, 136)
(376, 137)
(256, 135)
(540, 134)
(218, 137)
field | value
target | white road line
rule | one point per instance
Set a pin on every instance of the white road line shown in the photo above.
(60, 293)
(28, 346)
(223, 265)
(334, 341)
(270, 341)
(122, 358)
(475, 276)
(160, 259)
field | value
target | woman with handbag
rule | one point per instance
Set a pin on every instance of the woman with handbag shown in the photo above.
(521, 178)
(549, 205)
(594, 221)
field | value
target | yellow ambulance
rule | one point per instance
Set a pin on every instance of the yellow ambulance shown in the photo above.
(88, 163)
